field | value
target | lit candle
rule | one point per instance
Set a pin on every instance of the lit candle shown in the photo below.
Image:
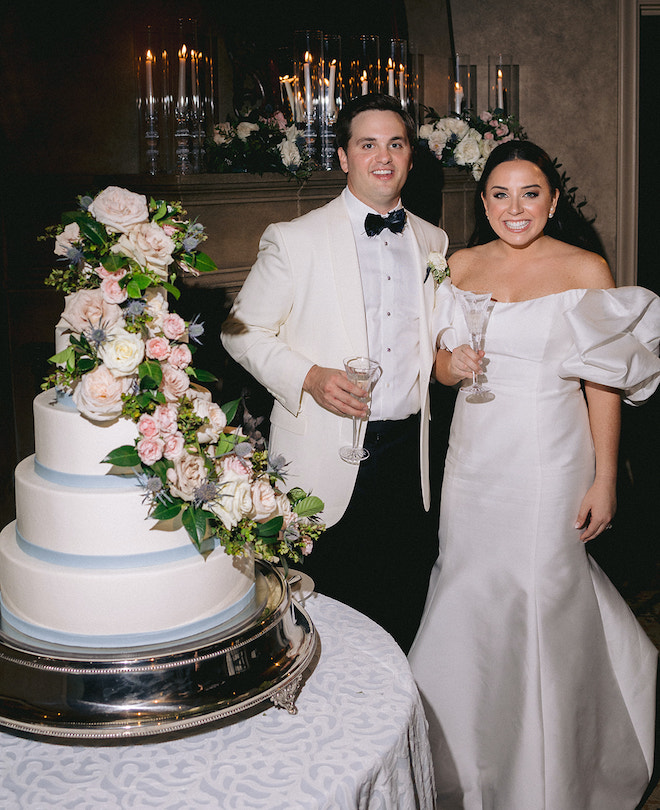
(390, 77)
(365, 83)
(500, 90)
(458, 97)
(308, 84)
(402, 84)
(331, 87)
(194, 56)
(148, 66)
(286, 81)
(182, 76)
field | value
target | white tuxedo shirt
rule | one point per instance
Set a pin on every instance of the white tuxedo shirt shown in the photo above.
(302, 304)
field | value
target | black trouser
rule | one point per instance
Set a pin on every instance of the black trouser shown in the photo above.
(379, 556)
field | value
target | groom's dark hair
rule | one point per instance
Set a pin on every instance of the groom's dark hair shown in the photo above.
(371, 101)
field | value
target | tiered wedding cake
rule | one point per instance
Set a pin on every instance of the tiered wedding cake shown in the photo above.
(139, 515)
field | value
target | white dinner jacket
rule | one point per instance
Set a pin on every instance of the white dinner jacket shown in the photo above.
(301, 305)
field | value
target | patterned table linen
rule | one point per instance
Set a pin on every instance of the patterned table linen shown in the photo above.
(358, 742)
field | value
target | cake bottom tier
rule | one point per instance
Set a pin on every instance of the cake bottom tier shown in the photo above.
(74, 602)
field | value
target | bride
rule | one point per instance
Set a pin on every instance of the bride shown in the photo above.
(538, 682)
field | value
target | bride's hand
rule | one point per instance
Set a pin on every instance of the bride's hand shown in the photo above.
(464, 361)
(597, 510)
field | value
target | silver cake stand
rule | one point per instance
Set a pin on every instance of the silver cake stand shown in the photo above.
(73, 694)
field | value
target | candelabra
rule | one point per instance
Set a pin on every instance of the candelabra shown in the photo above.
(503, 84)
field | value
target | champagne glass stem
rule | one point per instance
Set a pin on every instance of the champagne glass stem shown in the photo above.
(355, 432)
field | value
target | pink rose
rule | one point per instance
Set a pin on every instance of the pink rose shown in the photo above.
(180, 356)
(112, 291)
(98, 394)
(173, 326)
(150, 450)
(101, 272)
(169, 230)
(174, 446)
(489, 136)
(148, 426)
(157, 348)
(175, 383)
(166, 418)
(234, 464)
(308, 545)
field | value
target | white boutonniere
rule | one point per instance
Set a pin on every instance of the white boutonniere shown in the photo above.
(436, 266)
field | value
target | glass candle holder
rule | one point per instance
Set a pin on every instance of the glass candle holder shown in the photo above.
(308, 48)
(503, 84)
(396, 71)
(149, 98)
(330, 98)
(460, 84)
(364, 65)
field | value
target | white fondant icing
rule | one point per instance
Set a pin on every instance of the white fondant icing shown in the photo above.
(84, 565)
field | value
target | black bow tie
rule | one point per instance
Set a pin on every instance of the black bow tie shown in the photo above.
(395, 221)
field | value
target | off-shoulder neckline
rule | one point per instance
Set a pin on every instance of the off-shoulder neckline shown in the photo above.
(537, 298)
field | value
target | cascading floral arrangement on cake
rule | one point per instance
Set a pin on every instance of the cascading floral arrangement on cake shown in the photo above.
(129, 356)
(139, 488)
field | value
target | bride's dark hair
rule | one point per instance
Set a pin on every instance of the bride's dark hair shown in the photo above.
(567, 225)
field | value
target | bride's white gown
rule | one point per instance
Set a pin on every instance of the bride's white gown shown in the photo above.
(538, 682)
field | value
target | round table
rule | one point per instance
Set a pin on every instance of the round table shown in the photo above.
(358, 741)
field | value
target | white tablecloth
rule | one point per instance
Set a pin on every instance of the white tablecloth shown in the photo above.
(358, 741)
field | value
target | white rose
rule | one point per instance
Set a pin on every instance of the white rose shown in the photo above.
(122, 353)
(437, 141)
(87, 308)
(244, 129)
(290, 154)
(456, 126)
(425, 131)
(65, 240)
(234, 499)
(149, 245)
(118, 208)
(98, 394)
(187, 475)
(467, 151)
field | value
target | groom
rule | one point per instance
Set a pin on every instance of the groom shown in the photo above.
(331, 285)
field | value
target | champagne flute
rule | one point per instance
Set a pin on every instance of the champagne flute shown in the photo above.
(475, 311)
(363, 372)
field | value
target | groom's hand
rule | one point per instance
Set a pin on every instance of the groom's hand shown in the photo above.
(333, 391)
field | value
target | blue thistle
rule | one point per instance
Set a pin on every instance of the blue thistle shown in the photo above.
(154, 489)
(97, 335)
(206, 492)
(195, 329)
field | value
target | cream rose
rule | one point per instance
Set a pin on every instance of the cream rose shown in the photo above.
(123, 353)
(98, 394)
(215, 417)
(244, 129)
(119, 209)
(264, 503)
(148, 245)
(187, 475)
(65, 240)
(290, 154)
(87, 308)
